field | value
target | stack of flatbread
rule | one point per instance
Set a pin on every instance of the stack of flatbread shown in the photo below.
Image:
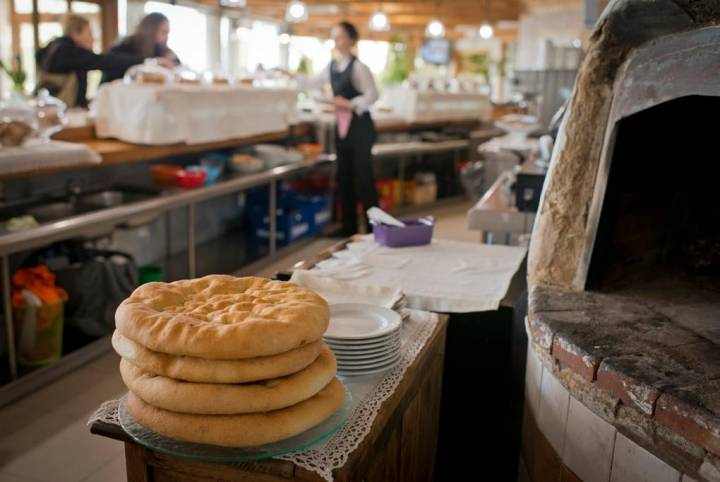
(226, 361)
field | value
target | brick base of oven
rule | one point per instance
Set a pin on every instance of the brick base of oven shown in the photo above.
(563, 440)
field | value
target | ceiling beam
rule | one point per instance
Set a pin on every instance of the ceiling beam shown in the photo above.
(493, 11)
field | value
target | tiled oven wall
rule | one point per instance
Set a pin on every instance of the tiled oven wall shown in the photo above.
(564, 441)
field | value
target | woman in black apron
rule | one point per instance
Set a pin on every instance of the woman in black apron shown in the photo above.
(354, 92)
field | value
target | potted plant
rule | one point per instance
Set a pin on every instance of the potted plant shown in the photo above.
(398, 68)
(16, 73)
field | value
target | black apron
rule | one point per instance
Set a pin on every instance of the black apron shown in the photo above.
(354, 153)
(362, 126)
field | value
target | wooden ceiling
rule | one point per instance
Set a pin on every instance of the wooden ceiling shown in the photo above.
(405, 15)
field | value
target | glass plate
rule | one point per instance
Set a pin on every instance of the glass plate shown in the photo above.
(216, 453)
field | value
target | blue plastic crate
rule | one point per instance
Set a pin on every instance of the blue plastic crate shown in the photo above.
(291, 225)
(318, 208)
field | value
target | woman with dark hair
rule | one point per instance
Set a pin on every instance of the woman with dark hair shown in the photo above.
(63, 64)
(354, 92)
(148, 41)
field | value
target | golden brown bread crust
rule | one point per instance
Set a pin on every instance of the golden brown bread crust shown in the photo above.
(223, 317)
(230, 399)
(240, 430)
(203, 370)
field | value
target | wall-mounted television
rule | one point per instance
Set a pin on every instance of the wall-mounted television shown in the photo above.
(436, 51)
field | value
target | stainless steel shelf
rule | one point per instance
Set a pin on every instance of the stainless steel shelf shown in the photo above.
(109, 218)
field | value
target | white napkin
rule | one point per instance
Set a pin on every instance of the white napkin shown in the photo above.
(335, 291)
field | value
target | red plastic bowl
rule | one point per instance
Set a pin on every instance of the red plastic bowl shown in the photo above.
(190, 179)
(165, 175)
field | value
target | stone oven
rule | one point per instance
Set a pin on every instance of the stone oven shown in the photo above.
(623, 370)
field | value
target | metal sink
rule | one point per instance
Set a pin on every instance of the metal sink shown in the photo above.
(49, 209)
(53, 211)
(111, 198)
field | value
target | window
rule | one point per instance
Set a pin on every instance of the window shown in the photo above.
(310, 48)
(374, 54)
(50, 26)
(190, 48)
(258, 33)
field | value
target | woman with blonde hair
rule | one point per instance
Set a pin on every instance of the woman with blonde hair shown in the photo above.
(63, 64)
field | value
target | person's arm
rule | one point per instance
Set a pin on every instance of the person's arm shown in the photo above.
(73, 58)
(364, 83)
(315, 82)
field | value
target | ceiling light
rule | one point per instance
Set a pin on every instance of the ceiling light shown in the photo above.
(435, 29)
(486, 31)
(296, 11)
(379, 22)
(233, 3)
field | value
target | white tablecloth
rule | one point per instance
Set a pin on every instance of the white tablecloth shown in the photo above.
(153, 114)
(36, 154)
(445, 276)
(427, 106)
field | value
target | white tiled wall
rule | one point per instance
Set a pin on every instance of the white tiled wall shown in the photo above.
(533, 378)
(633, 463)
(552, 410)
(589, 442)
(591, 447)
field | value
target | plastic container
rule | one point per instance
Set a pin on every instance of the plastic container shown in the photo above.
(186, 76)
(215, 163)
(165, 175)
(417, 232)
(191, 178)
(149, 72)
(50, 114)
(291, 224)
(146, 274)
(17, 120)
(318, 208)
(386, 196)
(308, 148)
(38, 333)
(246, 164)
(212, 172)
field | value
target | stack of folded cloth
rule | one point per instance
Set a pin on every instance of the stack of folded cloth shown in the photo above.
(227, 361)
(336, 291)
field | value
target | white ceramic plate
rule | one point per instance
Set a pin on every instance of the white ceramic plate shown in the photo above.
(355, 321)
(374, 352)
(361, 341)
(357, 356)
(368, 363)
(366, 348)
(392, 337)
(357, 373)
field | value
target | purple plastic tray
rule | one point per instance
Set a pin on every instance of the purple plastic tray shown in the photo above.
(417, 231)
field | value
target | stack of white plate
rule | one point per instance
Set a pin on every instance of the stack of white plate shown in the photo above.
(365, 338)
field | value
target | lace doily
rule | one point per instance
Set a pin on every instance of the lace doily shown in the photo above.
(368, 395)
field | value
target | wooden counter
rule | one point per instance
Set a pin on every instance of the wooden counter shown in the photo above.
(400, 446)
(114, 152)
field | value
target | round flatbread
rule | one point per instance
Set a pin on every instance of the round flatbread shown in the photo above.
(229, 399)
(203, 370)
(240, 430)
(223, 317)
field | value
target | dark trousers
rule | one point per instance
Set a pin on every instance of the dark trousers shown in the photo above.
(355, 172)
